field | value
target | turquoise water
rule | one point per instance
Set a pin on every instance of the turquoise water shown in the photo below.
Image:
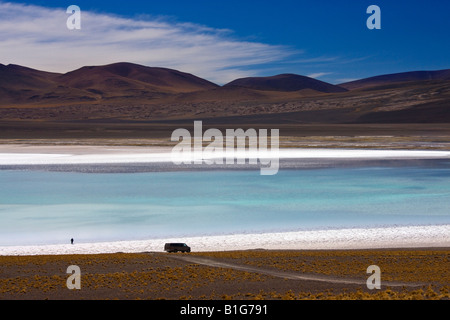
(40, 207)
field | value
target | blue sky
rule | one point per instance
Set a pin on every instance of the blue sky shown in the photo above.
(224, 40)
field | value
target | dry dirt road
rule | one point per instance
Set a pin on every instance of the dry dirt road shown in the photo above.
(213, 262)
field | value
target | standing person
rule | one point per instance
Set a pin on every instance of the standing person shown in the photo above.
(71, 241)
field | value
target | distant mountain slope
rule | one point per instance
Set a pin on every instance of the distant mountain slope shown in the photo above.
(14, 77)
(285, 83)
(20, 84)
(132, 76)
(387, 79)
(119, 81)
(130, 92)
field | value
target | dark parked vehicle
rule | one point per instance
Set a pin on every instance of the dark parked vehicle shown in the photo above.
(175, 247)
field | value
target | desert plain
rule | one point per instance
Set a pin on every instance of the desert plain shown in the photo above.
(406, 274)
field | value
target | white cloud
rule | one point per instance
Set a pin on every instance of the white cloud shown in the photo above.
(37, 37)
(319, 74)
(317, 60)
(345, 80)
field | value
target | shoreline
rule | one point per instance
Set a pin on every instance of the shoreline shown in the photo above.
(400, 237)
(16, 155)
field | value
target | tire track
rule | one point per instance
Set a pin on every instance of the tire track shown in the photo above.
(210, 262)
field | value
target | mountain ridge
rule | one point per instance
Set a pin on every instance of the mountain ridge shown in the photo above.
(20, 84)
(130, 92)
(394, 78)
(285, 82)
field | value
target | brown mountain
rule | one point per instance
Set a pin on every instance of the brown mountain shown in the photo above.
(397, 79)
(12, 74)
(19, 84)
(124, 77)
(285, 83)
(127, 84)
(124, 92)
(114, 82)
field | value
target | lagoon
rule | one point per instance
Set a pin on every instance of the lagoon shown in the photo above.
(39, 207)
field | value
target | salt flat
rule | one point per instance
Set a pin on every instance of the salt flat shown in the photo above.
(335, 239)
(40, 155)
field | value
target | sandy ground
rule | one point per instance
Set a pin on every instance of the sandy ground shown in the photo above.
(237, 275)
(79, 149)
